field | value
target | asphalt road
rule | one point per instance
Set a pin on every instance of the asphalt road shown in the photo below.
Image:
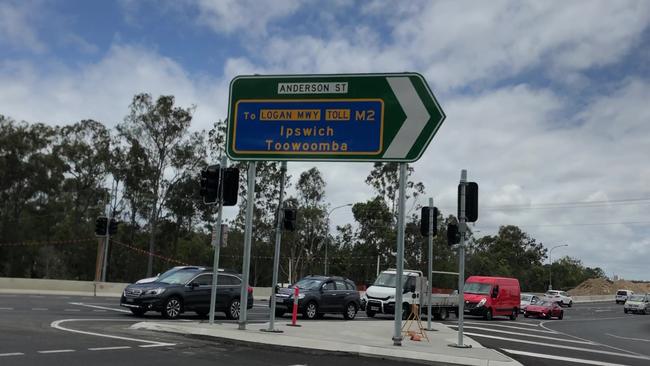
(71, 331)
(589, 334)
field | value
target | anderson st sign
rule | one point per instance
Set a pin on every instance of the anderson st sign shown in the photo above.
(365, 117)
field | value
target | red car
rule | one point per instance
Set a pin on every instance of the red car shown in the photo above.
(544, 309)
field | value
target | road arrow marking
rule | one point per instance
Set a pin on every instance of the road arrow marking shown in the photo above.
(417, 117)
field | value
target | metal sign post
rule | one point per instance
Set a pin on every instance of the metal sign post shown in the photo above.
(462, 227)
(430, 265)
(397, 335)
(216, 241)
(276, 254)
(248, 233)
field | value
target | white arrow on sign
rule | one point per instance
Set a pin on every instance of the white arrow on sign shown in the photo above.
(417, 117)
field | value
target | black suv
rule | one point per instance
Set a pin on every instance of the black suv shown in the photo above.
(319, 295)
(187, 289)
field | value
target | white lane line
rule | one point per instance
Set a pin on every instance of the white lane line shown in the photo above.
(529, 335)
(560, 358)
(156, 345)
(639, 357)
(514, 327)
(6, 308)
(628, 338)
(39, 309)
(602, 310)
(36, 296)
(99, 311)
(11, 354)
(108, 348)
(57, 351)
(71, 309)
(99, 307)
(57, 325)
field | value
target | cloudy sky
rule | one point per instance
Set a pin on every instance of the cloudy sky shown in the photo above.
(547, 102)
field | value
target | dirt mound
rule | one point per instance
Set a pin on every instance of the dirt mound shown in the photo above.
(602, 286)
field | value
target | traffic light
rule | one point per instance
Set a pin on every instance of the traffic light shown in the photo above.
(453, 235)
(210, 184)
(230, 186)
(424, 221)
(112, 226)
(289, 219)
(471, 201)
(100, 226)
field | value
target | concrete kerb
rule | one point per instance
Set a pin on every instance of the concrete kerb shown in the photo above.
(346, 338)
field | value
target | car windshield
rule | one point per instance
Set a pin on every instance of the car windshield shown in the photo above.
(179, 277)
(543, 303)
(385, 280)
(477, 288)
(526, 297)
(636, 298)
(308, 283)
(621, 293)
(168, 273)
(552, 293)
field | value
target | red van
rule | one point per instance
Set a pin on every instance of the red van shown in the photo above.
(492, 296)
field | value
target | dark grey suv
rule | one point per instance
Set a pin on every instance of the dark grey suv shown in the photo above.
(188, 289)
(320, 295)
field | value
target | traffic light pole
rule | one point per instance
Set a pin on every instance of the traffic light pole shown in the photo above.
(276, 254)
(397, 335)
(217, 244)
(248, 233)
(430, 264)
(462, 227)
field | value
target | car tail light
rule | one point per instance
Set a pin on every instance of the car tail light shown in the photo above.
(250, 290)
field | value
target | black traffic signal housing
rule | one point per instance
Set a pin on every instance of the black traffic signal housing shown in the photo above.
(453, 234)
(230, 186)
(424, 221)
(112, 226)
(471, 201)
(100, 226)
(289, 219)
(210, 184)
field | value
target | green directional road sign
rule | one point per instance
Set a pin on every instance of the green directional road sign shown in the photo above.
(364, 117)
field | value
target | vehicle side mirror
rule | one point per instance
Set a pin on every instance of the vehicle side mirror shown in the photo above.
(194, 285)
(495, 292)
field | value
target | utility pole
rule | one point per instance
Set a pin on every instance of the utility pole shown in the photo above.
(217, 242)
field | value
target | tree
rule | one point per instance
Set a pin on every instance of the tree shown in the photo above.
(172, 153)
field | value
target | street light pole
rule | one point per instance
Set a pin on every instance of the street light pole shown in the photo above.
(550, 265)
(327, 239)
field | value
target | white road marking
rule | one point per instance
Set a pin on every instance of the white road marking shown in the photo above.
(560, 358)
(640, 357)
(602, 310)
(6, 308)
(71, 309)
(108, 348)
(57, 351)
(39, 309)
(100, 311)
(57, 325)
(156, 345)
(36, 296)
(11, 354)
(529, 335)
(99, 307)
(628, 338)
(513, 327)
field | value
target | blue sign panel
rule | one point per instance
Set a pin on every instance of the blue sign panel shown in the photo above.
(309, 126)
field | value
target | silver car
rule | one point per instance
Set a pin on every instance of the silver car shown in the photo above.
(637, 304)
(527, 299)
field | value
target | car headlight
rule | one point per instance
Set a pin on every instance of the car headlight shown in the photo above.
(481, 303)
(155, 291)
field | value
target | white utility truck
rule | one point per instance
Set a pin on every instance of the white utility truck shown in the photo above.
(380, 297)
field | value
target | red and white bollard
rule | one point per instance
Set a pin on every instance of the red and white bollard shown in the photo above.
(294, 313)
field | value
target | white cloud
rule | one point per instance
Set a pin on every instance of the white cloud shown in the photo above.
(17, 27)
(252, 17)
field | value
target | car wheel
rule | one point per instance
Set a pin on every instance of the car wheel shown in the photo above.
(488, 315)
(406, 311)
(514, 314)
(370, 313)
(548, 316)
(172, 308)
(350, 311)
(138, 312)
(617, 302)
(644, 312)
(233, 310)
(570, 303)
(444, 314)
(311, 311)
(526, 314)
(625, 311)
(561, 316)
